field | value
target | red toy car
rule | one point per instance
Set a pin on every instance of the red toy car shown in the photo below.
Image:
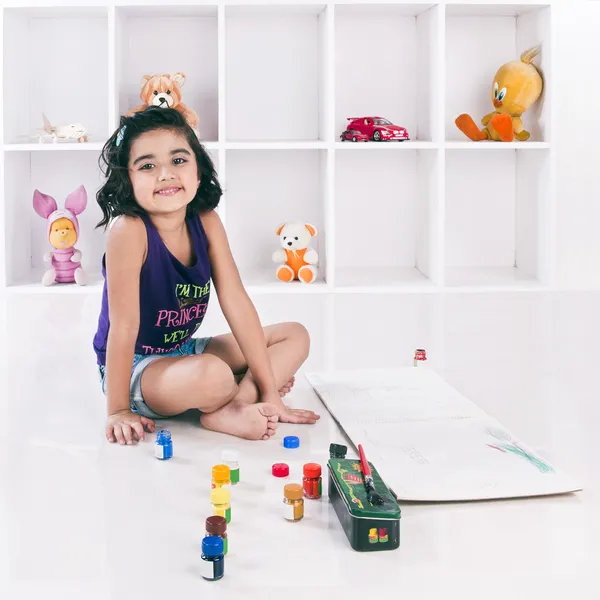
(354, 135)
(378, 129)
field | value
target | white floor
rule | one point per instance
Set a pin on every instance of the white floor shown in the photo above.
(89, 520)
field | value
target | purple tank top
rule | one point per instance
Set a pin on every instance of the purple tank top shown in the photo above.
(173, 297)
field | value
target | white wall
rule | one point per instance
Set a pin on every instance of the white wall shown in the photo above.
(577, 57)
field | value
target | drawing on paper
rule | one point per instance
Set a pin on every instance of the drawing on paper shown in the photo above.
(514, 447)
(430, 442)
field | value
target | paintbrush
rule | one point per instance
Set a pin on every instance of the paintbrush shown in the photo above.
(372, 496)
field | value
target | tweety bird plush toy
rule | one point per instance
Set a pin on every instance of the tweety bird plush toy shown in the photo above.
(517, 85)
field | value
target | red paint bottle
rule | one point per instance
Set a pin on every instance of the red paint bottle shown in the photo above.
(420, 357)
(312, 481)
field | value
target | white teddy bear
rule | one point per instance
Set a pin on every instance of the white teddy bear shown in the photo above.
(296, 259)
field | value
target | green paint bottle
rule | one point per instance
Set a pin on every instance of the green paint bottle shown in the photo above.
(232, 459)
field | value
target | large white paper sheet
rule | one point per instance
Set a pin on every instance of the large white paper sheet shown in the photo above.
(429, 442)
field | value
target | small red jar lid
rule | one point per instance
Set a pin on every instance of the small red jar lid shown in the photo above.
(312, 470)
(280, 470)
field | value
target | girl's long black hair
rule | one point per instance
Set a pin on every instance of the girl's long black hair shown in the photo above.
(116, 197)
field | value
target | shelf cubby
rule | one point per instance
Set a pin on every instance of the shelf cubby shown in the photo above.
(385, 225)
(264, 190)
(56, 174)
(275, 75)
(151, 40)
(385, 65)
(498, 208)
(480, 38)
(45, 70)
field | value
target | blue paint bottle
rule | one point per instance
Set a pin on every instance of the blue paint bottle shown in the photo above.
(163, 448)
(291, 441)
(213, 561)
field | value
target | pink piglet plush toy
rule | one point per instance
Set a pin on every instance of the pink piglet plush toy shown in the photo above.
(63, 232)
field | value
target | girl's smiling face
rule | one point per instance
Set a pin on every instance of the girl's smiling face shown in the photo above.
(163, 171)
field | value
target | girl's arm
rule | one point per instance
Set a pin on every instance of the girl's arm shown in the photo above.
(238, 309)
(125, 255)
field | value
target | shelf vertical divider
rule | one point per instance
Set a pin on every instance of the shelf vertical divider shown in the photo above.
(114, 55)
(549, 275)
(439, 135)
(3, 282)
(328, 84)
(222, 101)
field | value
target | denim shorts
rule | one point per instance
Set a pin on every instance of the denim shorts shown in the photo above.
(140, 362)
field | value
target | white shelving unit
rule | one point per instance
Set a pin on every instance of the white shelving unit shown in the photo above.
(273, 85)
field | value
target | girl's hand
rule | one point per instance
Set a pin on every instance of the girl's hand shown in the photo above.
(125, 426)
(289, 415)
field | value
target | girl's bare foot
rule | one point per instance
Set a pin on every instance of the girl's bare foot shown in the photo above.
(286, 387)
(249, 421)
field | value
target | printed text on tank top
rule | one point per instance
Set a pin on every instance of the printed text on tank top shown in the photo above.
(173, 296)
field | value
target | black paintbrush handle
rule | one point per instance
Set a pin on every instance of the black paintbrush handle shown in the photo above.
(369, 483)
(372, 496)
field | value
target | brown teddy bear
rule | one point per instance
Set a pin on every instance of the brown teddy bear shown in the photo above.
(165, 90)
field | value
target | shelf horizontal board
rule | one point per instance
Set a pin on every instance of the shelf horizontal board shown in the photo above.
(34, 286)
(95, 288)
(490, 278)
(380, 280)
(360, 8)
(180, 10)
(278, 287)
(244, 8)
(55, 12)
(375, 279)
(256, 282)
(277, 145)
(297, 288)
(73, 146)
(495, 9)
(390, 146)
(497, 145)
(265, 281)
(55, 147)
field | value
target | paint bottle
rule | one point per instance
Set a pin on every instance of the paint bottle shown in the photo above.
(219, 498)
(213, 560)
(293, 502)
(280, 470)
(220, 476)
(216, 525)
(163, 447)
(232, 459)
(420, 357)
(312, 481)
(291, 441)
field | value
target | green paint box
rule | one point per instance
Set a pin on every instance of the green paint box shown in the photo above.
(368, 528)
